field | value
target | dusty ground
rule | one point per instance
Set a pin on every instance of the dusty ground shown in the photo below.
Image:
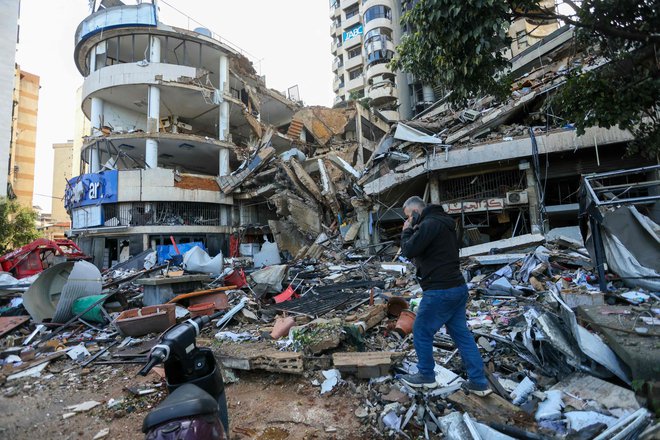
(262, 406)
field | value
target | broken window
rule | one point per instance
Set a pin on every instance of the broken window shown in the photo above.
(378, 11)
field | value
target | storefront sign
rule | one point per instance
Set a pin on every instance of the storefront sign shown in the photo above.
(91, 189)
(494, 204)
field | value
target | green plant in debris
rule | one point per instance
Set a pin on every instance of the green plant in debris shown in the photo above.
(460, 45)
(310, 337)
(17, 225)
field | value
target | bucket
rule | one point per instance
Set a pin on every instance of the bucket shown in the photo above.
(395, 305)
(203, 309)
(405, 323)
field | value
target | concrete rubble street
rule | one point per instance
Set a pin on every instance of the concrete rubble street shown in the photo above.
(201, 190)
(531, 314)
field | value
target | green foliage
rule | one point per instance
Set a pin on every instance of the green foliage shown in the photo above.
(459, 45)
(17, 227)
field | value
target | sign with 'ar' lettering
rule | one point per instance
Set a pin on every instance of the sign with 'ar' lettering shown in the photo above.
(91, 189)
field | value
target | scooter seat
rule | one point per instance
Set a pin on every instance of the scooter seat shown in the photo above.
(186, 401)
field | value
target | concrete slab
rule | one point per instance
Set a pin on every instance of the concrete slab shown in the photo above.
(616, 324)
(172, 280)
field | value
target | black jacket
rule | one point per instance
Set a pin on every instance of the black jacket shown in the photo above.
(433, 245)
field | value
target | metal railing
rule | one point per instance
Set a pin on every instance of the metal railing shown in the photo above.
(166, 214)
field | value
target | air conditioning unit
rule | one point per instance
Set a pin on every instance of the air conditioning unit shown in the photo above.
(516, 198)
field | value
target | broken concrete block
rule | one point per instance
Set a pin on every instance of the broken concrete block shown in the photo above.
(365, 365)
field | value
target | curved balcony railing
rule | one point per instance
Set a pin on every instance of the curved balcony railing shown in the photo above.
(119, 16)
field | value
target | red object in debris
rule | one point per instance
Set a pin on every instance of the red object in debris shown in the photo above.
(236, 278)
(176, 248)
(234, 243)
(203, 309)
(39, 255)
(287, 295)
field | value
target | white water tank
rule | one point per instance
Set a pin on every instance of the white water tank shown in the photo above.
(203, 31)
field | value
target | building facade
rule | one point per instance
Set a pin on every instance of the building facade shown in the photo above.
(9, 11)
(23, 145)
(171, 110)
(365, 34)
(63, 161)
(364, 37)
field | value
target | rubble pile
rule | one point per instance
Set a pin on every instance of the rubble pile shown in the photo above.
(564, 359)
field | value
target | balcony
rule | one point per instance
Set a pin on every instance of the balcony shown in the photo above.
(337, 84)
(353, 62)
(376, 23)
(119, 16)
(366, 4)
(382, 93)
(345, 4)
(377, 70)
(390, 115)
(336, 46)
(347, 23)
(355, 84)
(335, 11)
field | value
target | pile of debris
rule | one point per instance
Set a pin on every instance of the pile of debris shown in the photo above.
(564, 359)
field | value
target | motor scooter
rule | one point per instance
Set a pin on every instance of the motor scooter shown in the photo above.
(196, 408)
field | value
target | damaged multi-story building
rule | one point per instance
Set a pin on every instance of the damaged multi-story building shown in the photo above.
(180, 120)
(169, 109)
(505, 168)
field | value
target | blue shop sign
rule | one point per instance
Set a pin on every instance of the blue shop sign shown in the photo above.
(352, 32)
(91, 189)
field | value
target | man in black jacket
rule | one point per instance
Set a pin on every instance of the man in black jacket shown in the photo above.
(429, 238)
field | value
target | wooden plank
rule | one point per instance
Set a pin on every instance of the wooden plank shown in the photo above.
(200, 293)
(493, 408)
(9, 323)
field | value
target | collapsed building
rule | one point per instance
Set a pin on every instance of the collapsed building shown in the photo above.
(189, 145)
(174, 113)
(501, 168)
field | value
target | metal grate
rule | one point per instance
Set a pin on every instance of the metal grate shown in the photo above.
(324, 299)
(166, 214)
(482, 186)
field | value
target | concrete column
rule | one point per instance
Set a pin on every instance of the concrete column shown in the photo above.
(96, 117)
(94, 161)
(154, 50)
(434, 189)
(153, 121)
(533, 197)
(97, 123)
(223, 122)
(363, 216)
(223, 169)
(427, 92)
(153, 116)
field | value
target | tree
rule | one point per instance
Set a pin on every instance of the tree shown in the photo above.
(17, 225)
(459, 44)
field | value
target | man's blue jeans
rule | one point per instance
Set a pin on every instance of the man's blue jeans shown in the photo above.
(446, 307)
